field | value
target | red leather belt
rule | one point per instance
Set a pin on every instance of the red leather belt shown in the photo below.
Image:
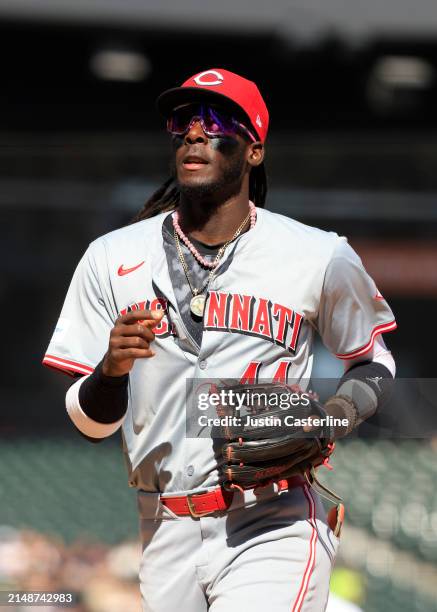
(219, 499)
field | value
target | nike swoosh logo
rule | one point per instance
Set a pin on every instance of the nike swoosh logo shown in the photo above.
(122, 271)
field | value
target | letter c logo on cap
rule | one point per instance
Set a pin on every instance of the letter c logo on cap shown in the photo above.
(199, 79)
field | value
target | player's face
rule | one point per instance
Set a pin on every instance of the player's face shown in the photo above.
(207, 165)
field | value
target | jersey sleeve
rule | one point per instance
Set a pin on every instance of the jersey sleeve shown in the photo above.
(352, 311)
(81, 335)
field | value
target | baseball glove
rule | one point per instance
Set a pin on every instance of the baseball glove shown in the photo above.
(264, 431)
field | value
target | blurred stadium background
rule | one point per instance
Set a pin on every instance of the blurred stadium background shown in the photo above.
(352, 92)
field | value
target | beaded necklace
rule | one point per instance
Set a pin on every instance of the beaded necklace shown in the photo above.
(197, 302)
(204, 262)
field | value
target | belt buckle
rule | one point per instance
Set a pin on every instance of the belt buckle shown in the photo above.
(192, 509)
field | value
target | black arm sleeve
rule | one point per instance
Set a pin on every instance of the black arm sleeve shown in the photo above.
(104, 398)
(362, 390)
(374, 375)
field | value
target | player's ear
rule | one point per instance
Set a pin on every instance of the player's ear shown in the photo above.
(255, 153)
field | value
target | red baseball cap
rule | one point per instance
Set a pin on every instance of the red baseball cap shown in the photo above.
(219, 84)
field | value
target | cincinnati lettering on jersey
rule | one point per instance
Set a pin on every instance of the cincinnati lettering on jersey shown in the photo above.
(164, 329)
(246, 314)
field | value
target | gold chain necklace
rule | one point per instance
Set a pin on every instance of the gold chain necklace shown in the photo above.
(197, 302)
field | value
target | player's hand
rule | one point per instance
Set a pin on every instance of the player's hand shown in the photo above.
(130, 339)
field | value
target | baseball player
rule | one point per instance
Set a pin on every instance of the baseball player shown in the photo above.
(205, 285)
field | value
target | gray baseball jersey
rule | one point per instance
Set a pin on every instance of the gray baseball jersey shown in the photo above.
(275, 286)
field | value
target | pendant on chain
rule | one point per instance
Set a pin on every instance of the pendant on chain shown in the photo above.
(197, 305)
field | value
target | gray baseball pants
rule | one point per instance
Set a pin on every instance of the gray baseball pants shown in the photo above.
(270, 551)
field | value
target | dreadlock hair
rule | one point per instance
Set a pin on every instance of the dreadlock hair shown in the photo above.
(166, 198)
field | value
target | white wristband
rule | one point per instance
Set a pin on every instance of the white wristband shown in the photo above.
(87, 426)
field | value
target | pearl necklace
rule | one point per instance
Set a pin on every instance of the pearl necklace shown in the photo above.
(204, 262)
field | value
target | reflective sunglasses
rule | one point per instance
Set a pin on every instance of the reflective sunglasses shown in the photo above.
(215, 122)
